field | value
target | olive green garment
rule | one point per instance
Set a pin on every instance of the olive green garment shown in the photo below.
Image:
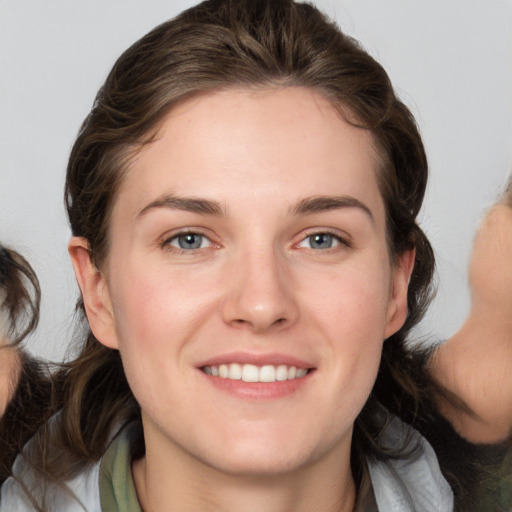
(117, 490)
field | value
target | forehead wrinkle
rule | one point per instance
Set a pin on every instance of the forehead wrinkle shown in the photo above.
(318, 204)
(188, 204)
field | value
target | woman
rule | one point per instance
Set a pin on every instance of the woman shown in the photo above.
(242, 198)
(465, 354)
(25, 387)
(474, 365)
(19, 315)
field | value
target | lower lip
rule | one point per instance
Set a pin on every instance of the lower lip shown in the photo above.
(258, 390)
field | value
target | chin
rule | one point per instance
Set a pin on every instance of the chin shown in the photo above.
(261, 464)
(267, 456)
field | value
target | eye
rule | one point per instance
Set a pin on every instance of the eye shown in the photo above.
(322, 241)
(188, 241)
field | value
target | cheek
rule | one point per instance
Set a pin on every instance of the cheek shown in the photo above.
(157, 315)
(153, 307)
(351, 314)
(138, 310)
(354, 302)
(153, 323)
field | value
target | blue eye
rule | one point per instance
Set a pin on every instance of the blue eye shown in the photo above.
(320, 241)
(189, 241)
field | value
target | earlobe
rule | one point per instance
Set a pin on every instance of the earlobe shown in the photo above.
(397, 304)
(95, 294)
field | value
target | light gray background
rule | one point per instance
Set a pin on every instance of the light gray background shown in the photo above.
(450, 60)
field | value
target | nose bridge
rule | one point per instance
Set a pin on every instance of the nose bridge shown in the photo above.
(260, 295)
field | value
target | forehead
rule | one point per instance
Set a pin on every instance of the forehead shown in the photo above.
(282, 143)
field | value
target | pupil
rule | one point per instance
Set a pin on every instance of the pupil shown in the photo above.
(321, 241)
(190, 241)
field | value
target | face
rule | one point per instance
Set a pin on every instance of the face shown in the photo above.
(490, 271)
(249, 240)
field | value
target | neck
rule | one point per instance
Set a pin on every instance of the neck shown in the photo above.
(486, 332)
(475, 363)
(491, 317)
(167, 476)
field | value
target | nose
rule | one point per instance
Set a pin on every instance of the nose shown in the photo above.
(260, 293)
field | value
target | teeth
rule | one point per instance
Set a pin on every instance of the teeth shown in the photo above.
(250, 373)
(223, 371)
(235, 372)
(267, 373)
(301, 372)
(253, 373)
(281, 372)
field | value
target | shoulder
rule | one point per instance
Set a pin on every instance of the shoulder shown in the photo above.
(103, 485)
(412, 482)
(479, 474)
(78, 494)
(28, 488)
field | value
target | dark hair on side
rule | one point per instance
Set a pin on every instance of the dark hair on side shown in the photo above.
(20, 297)
(216, 45)
(506, 198)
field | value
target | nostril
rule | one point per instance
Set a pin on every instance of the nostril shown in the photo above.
(241, 322)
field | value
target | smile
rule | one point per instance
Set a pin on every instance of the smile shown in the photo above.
(253, 373)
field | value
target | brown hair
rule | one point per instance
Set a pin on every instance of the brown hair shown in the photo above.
(20, 297)
(506, 198)
(221, 44)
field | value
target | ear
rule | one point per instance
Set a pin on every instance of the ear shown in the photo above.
(397, 304)
(95, 293)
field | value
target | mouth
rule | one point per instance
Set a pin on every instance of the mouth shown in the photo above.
(253, 373)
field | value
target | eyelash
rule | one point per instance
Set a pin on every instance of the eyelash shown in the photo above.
(342, 241)
(167, 243)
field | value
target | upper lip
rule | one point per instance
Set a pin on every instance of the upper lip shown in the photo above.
(274, 359)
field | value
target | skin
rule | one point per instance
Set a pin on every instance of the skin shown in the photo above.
(476, 363)
(9, 365)
(9, 373)
(258, 286)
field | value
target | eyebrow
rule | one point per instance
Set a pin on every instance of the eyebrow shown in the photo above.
(308, 205)
(188, 204)
(318, 204)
